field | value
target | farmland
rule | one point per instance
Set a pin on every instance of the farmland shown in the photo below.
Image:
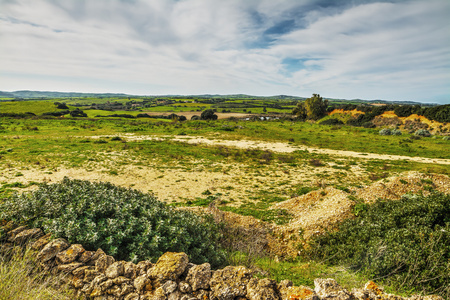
(241, 163)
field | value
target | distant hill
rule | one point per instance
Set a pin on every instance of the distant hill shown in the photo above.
(48, 95)
(44, 94)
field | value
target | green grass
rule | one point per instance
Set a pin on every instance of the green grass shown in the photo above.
(36, 107)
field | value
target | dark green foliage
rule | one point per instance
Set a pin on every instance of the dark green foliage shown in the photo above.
(316, 107)
(78, 113)
(56, 113)
(208, 115)
(332, 122)
(123, 222)
(300, 111)
(405, 242)
(61, 105)
(439, 113)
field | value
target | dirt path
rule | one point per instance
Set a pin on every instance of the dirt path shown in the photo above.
(284, 148)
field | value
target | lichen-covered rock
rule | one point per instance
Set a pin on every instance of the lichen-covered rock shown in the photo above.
(41, 242)
(199, 276)
(12, 233)
(103, 262)
(68, 268)
(169, 287)
(185, 287)
(115, 269)
(290, 292)
(51, 249)
(168, 267)
(142, 267)
(70, 254)
(263, 289)
(373, 288)
(230, 282)
(27, 235)
(132, 296)
(159, 294)
(330, 289)
(129, 270)
(86, 257)
(90, 274)
(142, 284)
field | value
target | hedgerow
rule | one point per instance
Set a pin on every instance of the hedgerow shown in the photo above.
(125, 223)
(405, 243)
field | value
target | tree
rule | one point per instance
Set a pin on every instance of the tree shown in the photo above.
(316, 107)
(300, 111)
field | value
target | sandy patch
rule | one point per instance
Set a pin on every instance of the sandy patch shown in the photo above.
(281, 147)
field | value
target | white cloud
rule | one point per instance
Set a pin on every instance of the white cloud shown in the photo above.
(373, 50)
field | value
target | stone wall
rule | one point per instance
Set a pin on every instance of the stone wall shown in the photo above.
(96, 275)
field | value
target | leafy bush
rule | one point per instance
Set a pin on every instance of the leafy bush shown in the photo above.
(123, 222)
(422, 132)
(385, 131)
(396, 132)
(406, 242)
(208, 115)
(332, 122)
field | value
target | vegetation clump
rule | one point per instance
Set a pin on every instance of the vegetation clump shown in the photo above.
(406, 243)
(422, 132)
(123, 222)
(385, 131)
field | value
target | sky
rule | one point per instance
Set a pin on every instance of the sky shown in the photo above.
(347, 49)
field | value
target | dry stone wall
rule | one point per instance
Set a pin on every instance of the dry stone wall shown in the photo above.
(96, 275)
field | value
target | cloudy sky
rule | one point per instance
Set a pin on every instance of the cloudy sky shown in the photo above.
(368, 49)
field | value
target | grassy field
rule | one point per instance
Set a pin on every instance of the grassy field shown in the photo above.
(141, 153)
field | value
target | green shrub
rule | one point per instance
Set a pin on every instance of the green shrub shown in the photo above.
(332, 122)
(123, 222)
(385, 131)
(422, 132)
(446, 138)
(406, 242)
(396, 132)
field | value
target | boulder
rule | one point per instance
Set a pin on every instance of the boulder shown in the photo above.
(27, 235)
(70, 254)
(263, 289)
(103, 262)
(51, 249)
(69, 268)
(199, 276)
(168, 267)
(115, 269)
(142, 284)
(330, 289)
(12, 233)
(41, 242)
(230, 282)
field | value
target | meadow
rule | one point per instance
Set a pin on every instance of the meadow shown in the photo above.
(156, 156)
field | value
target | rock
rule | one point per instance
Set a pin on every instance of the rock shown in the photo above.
(168, 267)
(114, 290)
(41, 242)
(12, 234)
(169, 287)
(27, 235)
(142, 267)
(159, 294)
(127, 288)
(115, 269)
(330, 289)
(86, 257)
(129, 270)
(68, 268)
(374, 288)
(174, 296)
(290, 292)
(230, 282)
(70, 254)
(90, 274)
(103, 262)
(120, 280)
(51, 249)
(202, 294)
(142, 284)
(263, 289)
(185, 287)
(132, 296)
(199, 276)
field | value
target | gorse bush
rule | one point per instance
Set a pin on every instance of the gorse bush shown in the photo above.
(406, 243)
(123, 222)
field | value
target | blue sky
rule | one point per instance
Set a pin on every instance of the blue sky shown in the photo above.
(368, 49)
